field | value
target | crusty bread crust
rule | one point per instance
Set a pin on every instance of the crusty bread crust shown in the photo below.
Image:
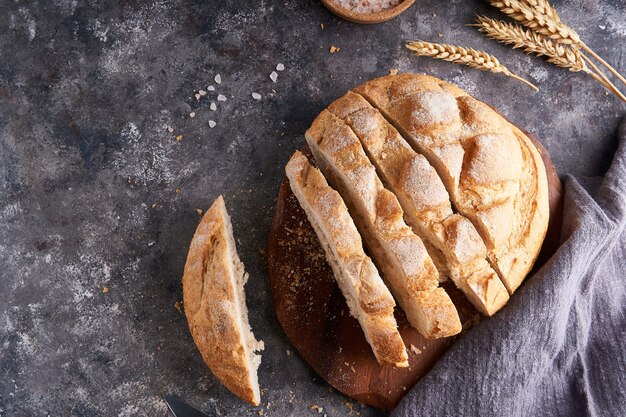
(426, 203)
(398, 252)
(367, 296)
(215, 305)
(493, 173)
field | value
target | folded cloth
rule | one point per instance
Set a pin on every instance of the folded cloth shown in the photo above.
(559, 347)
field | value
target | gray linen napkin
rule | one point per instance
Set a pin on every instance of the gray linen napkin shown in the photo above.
(559, 347)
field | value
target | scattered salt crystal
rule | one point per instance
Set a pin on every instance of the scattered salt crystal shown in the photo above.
(221, 97)
(210, 88)
(197, 96)
(256, 96)
(192, 114)
(202, 93)
(280, 67)
(170, 129)
(218, 79)
(212, 124)
(273, 76)
(213, 106)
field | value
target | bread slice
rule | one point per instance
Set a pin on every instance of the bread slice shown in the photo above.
(367, 297)
(493, 173)
(399, 253)
(215, 306)
(426, 203)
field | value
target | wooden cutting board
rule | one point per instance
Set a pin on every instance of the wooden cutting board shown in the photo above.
(314, 315)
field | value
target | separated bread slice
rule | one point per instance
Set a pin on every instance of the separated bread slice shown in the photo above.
(399, 253)
(426, 203)
(215, 305)
(493, 173)
(367, 297)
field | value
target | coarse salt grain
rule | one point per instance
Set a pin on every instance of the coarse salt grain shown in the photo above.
(197, 96)
(212, 124)
(367, 6)
(210, 88)
(221, 97)
(273, 76)
(218, 79)
(280, 67)
(170, 129)
(213, 106)
(202, 92)
(192, 114)
(256, 96)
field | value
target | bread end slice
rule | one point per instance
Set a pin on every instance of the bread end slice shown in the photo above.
(215, 306)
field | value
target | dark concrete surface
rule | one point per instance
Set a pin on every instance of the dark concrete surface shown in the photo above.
(89, 174)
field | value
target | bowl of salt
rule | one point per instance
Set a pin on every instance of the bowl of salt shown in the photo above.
(367, 11)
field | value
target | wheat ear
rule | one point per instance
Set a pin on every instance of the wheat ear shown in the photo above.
(466, 56)
(541, 17)
(530, 42)
(543, 6)
(538, 21)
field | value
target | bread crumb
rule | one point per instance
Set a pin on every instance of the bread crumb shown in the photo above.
(322, 26)
(260, 412)
(199, 212)
(393, 71)
(415, 350)
(441, 35)
(105, 290)
(179, 306)
(179, 138)
(316, 408)
(334, 49)
(154, 205)
(178, 191)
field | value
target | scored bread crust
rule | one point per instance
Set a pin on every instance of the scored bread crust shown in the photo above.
(426, 202)
(399, 253)
(214, 302)
(493, 173)
(367, 296)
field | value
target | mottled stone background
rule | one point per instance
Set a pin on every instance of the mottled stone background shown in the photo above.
(89, 174)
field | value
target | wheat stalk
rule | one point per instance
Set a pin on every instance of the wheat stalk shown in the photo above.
(558, 54)
(544, 19)
(466, 56)
(531, 42)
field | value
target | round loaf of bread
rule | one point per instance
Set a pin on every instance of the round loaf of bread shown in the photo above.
(440, 188)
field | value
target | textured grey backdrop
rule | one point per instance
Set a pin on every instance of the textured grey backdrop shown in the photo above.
(95, 192)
